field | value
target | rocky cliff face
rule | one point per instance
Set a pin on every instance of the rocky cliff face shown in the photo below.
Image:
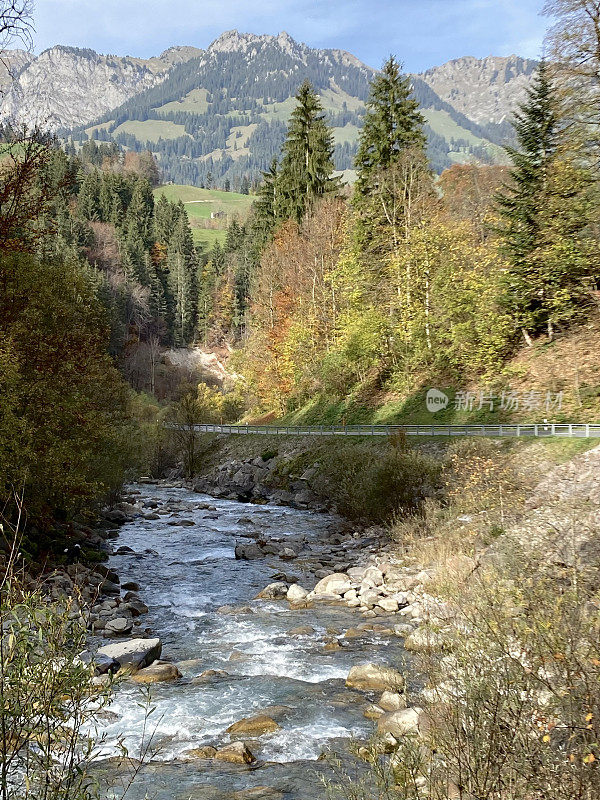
(65, 87)
(485, 90)
(11, 63)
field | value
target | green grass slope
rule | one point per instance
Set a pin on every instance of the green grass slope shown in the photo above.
(201, 203)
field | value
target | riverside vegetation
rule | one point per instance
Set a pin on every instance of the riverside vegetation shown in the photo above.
(332, 299)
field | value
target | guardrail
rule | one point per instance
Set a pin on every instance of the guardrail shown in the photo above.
(543, 429)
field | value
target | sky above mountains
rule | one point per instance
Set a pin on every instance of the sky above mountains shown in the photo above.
(422, 33)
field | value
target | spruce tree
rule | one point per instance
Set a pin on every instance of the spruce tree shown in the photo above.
(523, 203)
(182, 266)
(264, 209)
(307, 166)
(392, 125)
(88, 201)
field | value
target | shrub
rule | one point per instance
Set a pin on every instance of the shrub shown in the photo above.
(47, 698)
(375, 484)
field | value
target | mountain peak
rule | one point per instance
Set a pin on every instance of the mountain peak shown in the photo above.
(234, 41)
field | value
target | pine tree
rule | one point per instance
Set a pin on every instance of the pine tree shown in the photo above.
(163, 220)
(88, 202)
(265, 206)
(182, 266)
(394, 186)
(307, 166)
(523, 203)
(392, 125)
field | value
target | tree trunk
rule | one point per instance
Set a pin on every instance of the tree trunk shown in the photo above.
(527, 337)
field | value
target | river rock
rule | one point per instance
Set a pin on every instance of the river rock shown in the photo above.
(337, 583)
(108, 587)
(103, 664)
(388, 604)
(258, 793)
(356, 573)
(232, 610)
(253, 726)
(135, 607)
(426, 640)
(374, 677)
(302, 630)
(274, 591)
(296, 594)
(209, 676)
(392, 701)
(201, 752)
(159, 672)
(130, 586)
(373, 712)
(399, 723)
(248, 551)
(137, 653)
(374, 575)
(235, 753)
(287, 554)
(370, 598)
(120, 626)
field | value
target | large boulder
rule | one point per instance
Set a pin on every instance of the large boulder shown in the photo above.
(376, 677)
(235, 753)
(253, 726)
(426, 640)
(136, 653)
(157, 673)
(120, 626)
(296, 594)
(399, 723)
(337, 583)
(248, 551)
(274, 591)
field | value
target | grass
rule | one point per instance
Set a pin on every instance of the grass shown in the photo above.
(349, 133)
(443, 124)
(194, 102)
(207, 237)
(151, 130)
(200, 203)
(103, 125)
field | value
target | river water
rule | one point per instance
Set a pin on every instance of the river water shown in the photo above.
(186, 574)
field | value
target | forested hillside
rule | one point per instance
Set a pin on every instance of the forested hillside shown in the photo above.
(345, 306)
(220, 115)
(223, 115)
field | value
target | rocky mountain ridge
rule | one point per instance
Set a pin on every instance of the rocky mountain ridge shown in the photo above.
(485, 90)
(221, 112)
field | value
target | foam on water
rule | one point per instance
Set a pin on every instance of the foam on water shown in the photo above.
(192, 574)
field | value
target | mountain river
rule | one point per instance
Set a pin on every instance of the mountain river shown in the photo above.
(275, 657)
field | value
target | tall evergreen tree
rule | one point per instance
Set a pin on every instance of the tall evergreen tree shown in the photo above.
(392, 125)
(88, 202)
(523, 206)
(307, 166)
(182, 265)
(536, 128)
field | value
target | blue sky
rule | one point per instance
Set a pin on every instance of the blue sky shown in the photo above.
(422, 33)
